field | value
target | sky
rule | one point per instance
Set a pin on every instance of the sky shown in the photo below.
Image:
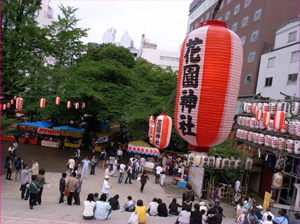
(163, 22)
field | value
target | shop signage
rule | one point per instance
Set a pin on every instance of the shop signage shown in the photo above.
(71, 145)
(102, 139)
(266, 201)
(48, 131)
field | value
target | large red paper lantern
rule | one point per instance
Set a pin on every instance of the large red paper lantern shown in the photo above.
(208, 83)
(279, 119)
(57, 100)
(19, 103)
(76, 106)
(162, 131)
(69, 104)
(42, 103)
(83, 105)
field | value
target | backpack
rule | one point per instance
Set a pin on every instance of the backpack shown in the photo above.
(18, 164)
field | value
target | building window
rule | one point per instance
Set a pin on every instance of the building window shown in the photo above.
(292, 79)
(243, 39)
(269, 81)
(207, 16)
(245, 21)
(247, 3)
(257, 14)
(254, 36)
(227, 15)
(271, 62)
(234, 27)
(236, 9)
(295, 56)
(251, 57)
(248, 78)
(292, 36)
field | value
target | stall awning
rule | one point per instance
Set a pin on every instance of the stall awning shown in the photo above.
(68, 128)
(149, 151)
(41, 124)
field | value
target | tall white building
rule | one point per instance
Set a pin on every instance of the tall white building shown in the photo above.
(109, 36)
(45, 15)
(126, 41)
(279, 69)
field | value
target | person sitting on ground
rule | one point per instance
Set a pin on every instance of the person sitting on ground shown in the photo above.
(130, 206)
(103, 208)
(141, 210)
(89, 206)
(114, 202)
(162, 208)
(269, 220)
(152, 207)
(173, 207)
(196, 215)
(280, 219)
(96, 197)
(184, 216)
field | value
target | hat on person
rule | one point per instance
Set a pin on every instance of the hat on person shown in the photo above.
(106, 176)
(259, 206)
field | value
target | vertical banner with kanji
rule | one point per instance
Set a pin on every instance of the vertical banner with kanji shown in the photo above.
(267, 199)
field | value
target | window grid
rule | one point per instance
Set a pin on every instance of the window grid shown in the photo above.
(295, 56)
(248, 78)
(257, 14)
(245, 21)
(271, 62)
(251, 57)
(292, 78)
(254, 36)
(292, 36)
(269, 81)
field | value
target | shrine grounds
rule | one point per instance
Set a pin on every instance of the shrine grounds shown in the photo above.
(15, 210)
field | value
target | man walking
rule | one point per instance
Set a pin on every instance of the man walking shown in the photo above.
(85, 168)
(106, 186)
(122, 171)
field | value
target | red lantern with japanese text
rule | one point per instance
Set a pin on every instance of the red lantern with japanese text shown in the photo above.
(162, 131)
(151, 122)
(19, 103)
(279, 119)
(42, 103)
(69, 104)
(208, 83)
(76, 106)
(57, 100)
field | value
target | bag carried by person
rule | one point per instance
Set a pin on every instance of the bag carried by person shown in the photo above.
(134, 218)
(66, 192)
(18, 164)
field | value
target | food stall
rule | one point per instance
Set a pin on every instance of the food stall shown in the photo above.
(51, 139)
(143, 148)
(72, 136)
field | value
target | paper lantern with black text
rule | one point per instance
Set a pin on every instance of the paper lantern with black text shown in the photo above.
(42, 103)
(57, 100)
(208, 83)
(19, 103)
(150, 123)
(162, 131)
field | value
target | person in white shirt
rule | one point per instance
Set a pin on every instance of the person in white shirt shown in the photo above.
(157, 174)
(265, 215)
(106, 173)
(184, 217)
(89, 206)
(142, 164)
(122, 171)
(268, 221)
(238, 190)
(106, 186)
(71, 164)
(152, 207)
(119, 153)
(115, 166)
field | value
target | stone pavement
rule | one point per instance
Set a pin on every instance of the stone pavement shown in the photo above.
(15, 210)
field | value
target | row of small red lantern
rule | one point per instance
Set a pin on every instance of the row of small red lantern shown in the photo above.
(292, 127)
(292, 108)
(19, 103)
(274, 142)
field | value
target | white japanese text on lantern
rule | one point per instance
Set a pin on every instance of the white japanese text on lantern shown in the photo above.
(208, 83)
(162, 131)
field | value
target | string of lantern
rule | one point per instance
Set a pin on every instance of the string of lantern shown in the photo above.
(19, 102)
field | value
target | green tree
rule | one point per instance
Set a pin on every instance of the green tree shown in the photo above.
(23, 43)
(64, 36)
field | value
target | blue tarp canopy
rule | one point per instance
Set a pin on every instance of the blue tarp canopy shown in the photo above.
(41, 124)
(68, 128)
